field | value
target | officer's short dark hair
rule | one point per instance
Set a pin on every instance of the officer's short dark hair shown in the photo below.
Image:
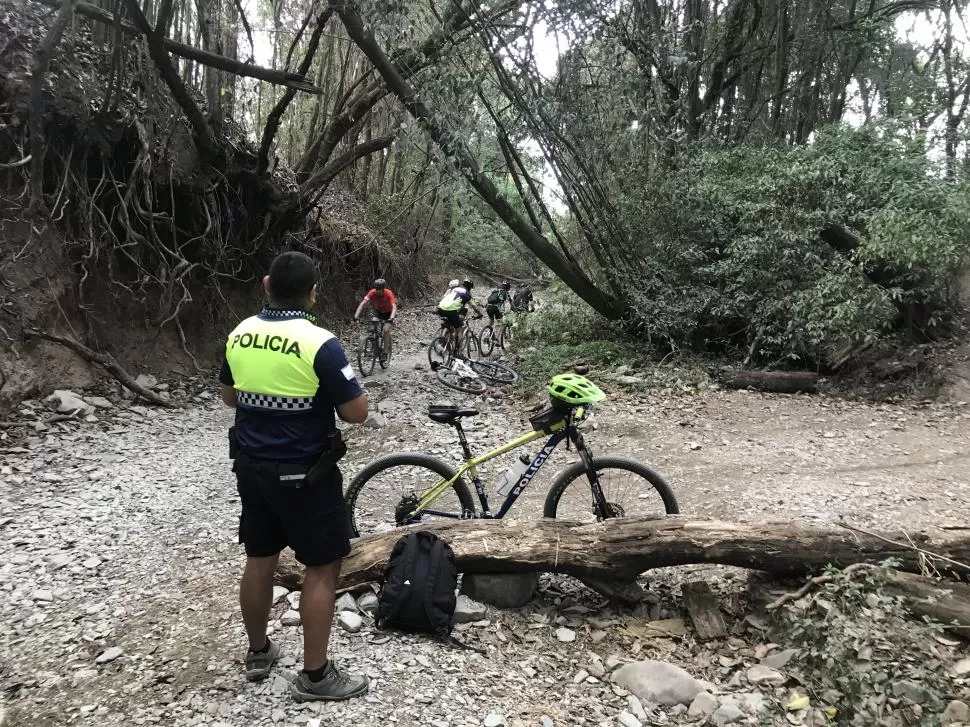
(291, 278)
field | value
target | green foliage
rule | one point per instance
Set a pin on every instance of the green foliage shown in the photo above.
(733, 252)
(858, 648)
(484, 243)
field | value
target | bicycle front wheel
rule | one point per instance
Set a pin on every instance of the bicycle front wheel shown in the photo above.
(386, 491)
(454, 380)
(631, 489)
(487, 341)
(367, 355)
(472, 348)
(499, 373)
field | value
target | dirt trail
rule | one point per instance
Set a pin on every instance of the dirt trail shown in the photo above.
(121, 534)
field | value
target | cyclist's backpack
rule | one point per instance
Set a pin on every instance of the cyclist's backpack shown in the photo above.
(494, 297)
(418, 588)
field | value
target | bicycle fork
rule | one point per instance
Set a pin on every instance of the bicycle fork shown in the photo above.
(601, 507)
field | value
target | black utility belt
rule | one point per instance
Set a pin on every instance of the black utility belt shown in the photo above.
(297, 475)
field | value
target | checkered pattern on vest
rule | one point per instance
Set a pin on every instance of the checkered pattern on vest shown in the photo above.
(265, 401)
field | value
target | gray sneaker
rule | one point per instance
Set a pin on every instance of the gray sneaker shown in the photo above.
(258, 665)
(334, 686)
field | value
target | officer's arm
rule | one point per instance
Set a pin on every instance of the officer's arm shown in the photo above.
(354, 411)
(229, 396)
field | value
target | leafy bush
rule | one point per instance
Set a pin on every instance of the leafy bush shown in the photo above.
(731, 247)
(859, 651)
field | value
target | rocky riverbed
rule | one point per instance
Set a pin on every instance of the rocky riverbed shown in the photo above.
(118, 565)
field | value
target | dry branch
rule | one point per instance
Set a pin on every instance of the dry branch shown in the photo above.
(229, 65)
(619, 550)
(104, 360)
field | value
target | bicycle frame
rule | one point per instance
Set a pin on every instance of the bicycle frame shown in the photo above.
(566, 431)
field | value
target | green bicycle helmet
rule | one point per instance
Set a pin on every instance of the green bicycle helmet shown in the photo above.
(574, 390)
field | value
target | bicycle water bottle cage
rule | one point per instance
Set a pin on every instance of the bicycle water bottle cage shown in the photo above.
(449, 413)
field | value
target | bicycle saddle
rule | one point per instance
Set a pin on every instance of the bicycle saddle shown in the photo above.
(449, 413)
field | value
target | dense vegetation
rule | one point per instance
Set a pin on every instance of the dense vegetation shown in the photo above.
(775, 181)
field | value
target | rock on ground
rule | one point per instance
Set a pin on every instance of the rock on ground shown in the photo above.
(726, 714)
(504, 590)
(350, 621)
(658, 682)
(67, 402)
(956, 712)
(704, 705)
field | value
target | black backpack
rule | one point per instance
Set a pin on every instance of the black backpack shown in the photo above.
(418, 589)
(494, 297)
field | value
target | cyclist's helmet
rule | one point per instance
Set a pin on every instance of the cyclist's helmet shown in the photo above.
(453, 284)
(467, 284)
(506, 286)
(380, 284)
(574, 389)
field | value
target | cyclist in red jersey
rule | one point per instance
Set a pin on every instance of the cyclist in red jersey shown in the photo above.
(384, 304)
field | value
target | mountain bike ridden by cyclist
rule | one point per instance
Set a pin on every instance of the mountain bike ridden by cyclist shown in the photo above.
(523, 299)
(495, 304)
(381, 299)
(453, 308)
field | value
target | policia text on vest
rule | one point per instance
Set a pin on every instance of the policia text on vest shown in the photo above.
(266, 342)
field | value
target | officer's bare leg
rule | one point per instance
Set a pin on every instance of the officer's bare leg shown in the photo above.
(316, 610)
(256, 598)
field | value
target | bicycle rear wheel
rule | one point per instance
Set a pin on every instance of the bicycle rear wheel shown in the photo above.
(486, 341)
(631, 489)
(386, 491)
(455, 380)
(367, 355)
(499, 373)
(506, 337)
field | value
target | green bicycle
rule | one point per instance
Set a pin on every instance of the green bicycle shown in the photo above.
(412, 487)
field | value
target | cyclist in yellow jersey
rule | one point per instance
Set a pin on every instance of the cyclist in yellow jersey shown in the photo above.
(285, 376)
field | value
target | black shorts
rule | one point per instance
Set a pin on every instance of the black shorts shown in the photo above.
(382, 316)
(451, 318)
(494, 312)
(312, 520)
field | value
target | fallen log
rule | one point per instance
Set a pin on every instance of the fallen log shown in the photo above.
(620, 550)
(106, 361)
(778, 382)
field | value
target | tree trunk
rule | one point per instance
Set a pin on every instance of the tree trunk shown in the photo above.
(620, 550)
(779, 382)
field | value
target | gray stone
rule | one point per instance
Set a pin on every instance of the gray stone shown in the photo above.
(779, 659)
(43, 595)
(467, 610)
(279, 593)
(495, 719)
(956, 712)
(596, 668)
(375, 420)
(504, 590)
(290, 618)
(624, 369)
(913, 692)
(109, 654)
(625, 719)
(293, 598)
(636, 708)
(100, 402)
(628, 380)
(350, 621)
(657, 682)
(141, 411)
(759, 674)
(146, 380)
(546, 721)
(91, 563)
(346, 602)
(704, 705)
(67, 402)
(60, 560)
(961, 668)
(726, 714)
(580, 676)
(567, 636)
(367, 603)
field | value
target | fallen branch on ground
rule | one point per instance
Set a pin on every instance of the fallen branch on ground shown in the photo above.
(778, 382)
(618, 551)
(106, 361)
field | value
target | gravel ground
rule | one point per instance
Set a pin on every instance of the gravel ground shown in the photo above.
(118, 563)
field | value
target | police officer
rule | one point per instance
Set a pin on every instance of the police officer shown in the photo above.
(285, 376)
